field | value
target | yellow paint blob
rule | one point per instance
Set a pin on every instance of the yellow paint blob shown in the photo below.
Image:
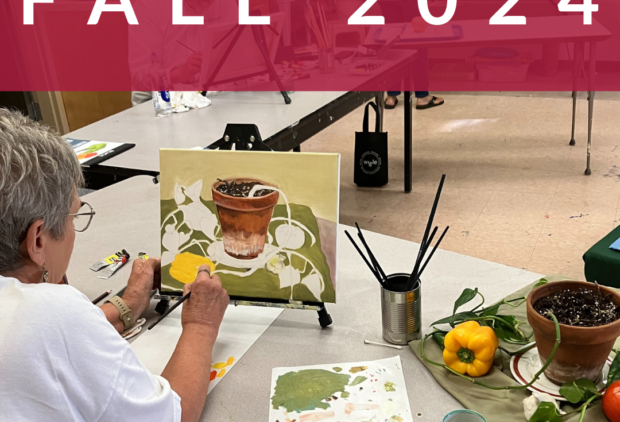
(185, 266)
(230, 361)
(221, 373)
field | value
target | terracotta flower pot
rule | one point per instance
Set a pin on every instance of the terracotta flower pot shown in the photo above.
(244, 221)
(583, 350)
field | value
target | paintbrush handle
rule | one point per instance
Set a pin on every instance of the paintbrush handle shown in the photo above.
(429, 224)
(172, 308)
(373, 259)
(364, 258)
(432, 252)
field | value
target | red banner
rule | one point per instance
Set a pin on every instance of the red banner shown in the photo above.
(309, 45)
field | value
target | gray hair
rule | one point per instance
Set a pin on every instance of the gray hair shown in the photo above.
(39, 172)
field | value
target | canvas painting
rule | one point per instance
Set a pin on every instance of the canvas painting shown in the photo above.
(265, 222)
(360, 391)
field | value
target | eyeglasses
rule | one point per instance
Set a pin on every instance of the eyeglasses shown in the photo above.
(83, 217)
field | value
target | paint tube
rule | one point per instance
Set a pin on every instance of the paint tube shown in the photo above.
(102, 263)
(115, 266)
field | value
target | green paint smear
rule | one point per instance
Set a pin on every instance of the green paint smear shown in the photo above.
(345, 395)
(389, 386)
(306, 389)
(358, 380)
(337, 369)
(262, 284)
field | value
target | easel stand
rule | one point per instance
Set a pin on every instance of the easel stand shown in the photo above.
(246, 137)
(261, 43)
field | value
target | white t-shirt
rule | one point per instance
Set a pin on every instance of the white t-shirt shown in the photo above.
(61, 360)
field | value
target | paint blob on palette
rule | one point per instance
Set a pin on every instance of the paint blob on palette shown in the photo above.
(362, 391)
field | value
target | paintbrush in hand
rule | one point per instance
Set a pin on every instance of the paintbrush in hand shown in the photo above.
(172, 308)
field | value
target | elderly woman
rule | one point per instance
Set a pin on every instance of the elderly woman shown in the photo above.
(61, 357)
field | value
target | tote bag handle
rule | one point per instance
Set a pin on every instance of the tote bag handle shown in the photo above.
(365, 127)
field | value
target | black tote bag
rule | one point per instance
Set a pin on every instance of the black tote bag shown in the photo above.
(371, 154)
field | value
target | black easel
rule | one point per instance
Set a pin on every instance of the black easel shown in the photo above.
(246, 137)
(261, 43)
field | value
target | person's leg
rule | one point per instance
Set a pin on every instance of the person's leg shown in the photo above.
(391, 100)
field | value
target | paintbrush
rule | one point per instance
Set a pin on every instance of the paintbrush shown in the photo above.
(432, 252)
(429, 224)
(374, 260)
(372, 270)
(172, 308)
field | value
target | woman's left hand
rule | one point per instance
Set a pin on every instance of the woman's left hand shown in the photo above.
(145, 276)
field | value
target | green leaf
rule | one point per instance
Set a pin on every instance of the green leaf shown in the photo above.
(546, 412)
(467, 296)
(578, 390)
(491, 310)
(455, 318)
(358, 380)
(541, 282)
(614, 371)
(439, 337)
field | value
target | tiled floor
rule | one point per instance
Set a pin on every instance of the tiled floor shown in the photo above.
(515, 191)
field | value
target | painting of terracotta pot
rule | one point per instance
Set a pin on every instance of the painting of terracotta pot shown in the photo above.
(244, 221)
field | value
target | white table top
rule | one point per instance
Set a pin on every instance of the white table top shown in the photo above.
(198, 128)
(128, 217)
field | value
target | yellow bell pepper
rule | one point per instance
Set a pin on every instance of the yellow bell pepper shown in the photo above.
(470, 349)
(185, 266)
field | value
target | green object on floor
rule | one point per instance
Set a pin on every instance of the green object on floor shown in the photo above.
(500, 405)
(603, 264)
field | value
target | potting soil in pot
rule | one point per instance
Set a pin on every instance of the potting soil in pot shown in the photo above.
(240, 190)
(578, 308)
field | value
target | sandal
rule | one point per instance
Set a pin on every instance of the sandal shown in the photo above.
(391, 106)
(432, 103)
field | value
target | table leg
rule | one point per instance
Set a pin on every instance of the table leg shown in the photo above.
(408, 142)
(379, 99)
(577, 57)
(590, 115)
(572, 136)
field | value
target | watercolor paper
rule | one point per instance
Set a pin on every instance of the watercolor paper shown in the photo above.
(241, 328)
(265, 221)
(371, 391)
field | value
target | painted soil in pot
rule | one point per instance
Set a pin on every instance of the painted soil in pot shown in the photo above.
(583, 349)
(244, 220)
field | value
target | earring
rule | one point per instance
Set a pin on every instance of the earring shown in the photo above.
(45, 276)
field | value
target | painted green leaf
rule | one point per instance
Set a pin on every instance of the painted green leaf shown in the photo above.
(389, 386)
(337, 369)
(307, 389)
(345, 395)
(614, 371)
(96, 147)
(546, 412)
(358, 380)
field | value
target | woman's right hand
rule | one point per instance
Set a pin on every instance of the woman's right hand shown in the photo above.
(208, 302)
